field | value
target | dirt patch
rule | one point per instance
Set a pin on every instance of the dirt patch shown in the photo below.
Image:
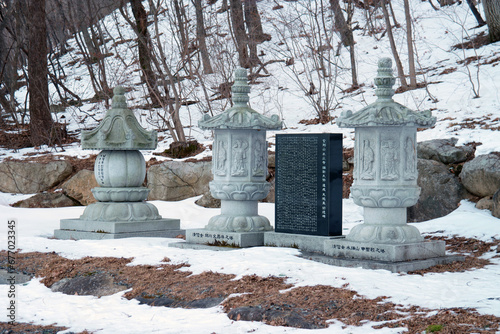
(263, 299)
(24, 328)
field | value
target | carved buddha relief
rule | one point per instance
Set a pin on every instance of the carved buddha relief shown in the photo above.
(220, 164)
(367, 158)
(410, 170)
(259, 159)
(390, 160)
(240, 148)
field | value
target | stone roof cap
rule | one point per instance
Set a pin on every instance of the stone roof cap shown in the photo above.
(240, 116)
(119, 130)
(385, 111)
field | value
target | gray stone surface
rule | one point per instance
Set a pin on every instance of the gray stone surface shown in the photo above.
(208, 201)
(120, 226)
(85, 235)
(440, 192)
(395, 267)
(495, 211)
(93, 284)
(177, 180)
(229, 239)
(6, 278)
(481, 175)
(444, 150)
(308, 243)
(33, 177)
(78, 187)
(46, 200)
(342, 248)
(485, 203)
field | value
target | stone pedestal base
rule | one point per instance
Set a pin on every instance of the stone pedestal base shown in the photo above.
(224, 239)
(95, 230)
(308, 243)
(395, 267)
(384, 252)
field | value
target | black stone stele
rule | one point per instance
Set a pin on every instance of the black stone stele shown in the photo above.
(309, 184)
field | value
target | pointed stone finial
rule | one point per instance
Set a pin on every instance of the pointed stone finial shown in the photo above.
(119, 100)
(240, 88)
(384, 80)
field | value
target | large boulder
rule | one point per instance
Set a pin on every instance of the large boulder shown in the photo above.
(481, 176)
(32, 177)
(94, 284)
(441, 191)
(208, 201)
(495, 211)
(78, 187)
(444, 150)
(46, 200)
(177, 180)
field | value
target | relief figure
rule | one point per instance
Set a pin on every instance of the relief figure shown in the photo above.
(259, 159)
(239, 157)
(221, 158)
(389, 160)
(410, 160)
(367, 160)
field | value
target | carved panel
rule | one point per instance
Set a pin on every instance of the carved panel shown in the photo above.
(367, 158)
(220, 161)
(259, 161)
(239, 157)
(389, 160)
(410, 160)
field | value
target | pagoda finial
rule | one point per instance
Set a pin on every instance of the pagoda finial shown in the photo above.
(384, 79)
(240, 87)
(119, 100)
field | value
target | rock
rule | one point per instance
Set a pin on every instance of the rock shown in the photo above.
(481, 176)
(271, 160)
(272, 192)
(444, 150)
(495, 211)
(208, 201)
(246, 313)
(32, 177)
(169, 302)
(177, 180)
(441, 191)
(485, 203)
(46, 200)
(78, 187)
(204, 303)
(94, 284)
(158, 301)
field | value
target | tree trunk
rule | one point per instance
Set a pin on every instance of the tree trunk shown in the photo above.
(476, 14)
(240, 34)
(179, 14)
(409, 42)
(40, 119)
(200, 35)
(492, 14)
(399, 66)
(346, 37)
(144, 46)
(254, 28)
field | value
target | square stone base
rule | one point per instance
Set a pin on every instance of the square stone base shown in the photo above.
(395, 267)
(224, 239)
(96, 230)
(384, 252)
(308, 243)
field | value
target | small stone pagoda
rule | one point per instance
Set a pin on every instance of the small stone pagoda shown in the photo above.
(239, 166)
(120, 169)
(385, 179)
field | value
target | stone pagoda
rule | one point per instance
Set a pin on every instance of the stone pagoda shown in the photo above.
(120, 169)
(239, 166)
(385, 181)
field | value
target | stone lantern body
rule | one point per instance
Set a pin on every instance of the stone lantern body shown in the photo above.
(385, 179)
(119, 169)
(239, 167)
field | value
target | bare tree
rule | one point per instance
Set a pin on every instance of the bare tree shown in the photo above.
(492, 14)
(201, 37)
(409, 42)
(476, 13)
(399, 66)
(239, 32)
(41, 123)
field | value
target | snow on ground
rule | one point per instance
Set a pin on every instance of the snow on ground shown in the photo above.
(114, 314)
